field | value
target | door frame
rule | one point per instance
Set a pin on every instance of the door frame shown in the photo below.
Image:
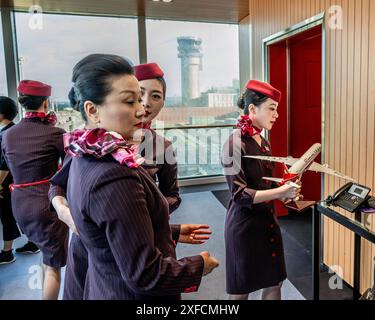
(293, 30)
(305, 25)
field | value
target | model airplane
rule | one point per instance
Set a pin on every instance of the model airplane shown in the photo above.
(299, 166)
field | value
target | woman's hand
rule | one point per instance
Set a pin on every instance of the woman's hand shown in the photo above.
(66, 217)
(289, 192)
(194, 233)
(63, 212)
(210, 263)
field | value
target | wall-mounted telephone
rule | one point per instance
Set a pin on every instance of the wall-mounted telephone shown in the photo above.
(350, 196)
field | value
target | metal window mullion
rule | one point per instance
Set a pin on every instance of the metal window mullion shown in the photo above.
(10, 51)
(142, 39)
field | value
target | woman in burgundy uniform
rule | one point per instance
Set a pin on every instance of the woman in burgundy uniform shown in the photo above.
(120, 215)
(32, 150)
(8, 111)
(165, 172)
(253, 244)
(158, 152)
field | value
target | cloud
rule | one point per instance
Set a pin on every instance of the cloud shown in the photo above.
(219, 48)
(50, 54)
(3, 85)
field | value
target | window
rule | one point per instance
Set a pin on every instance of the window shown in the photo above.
(201, 66)
(197, 150)
(49, 54)
(3, 81)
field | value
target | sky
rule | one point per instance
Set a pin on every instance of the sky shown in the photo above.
(49, 54)
(3, 88)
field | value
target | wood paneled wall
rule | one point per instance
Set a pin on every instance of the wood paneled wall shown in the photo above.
(349, 110)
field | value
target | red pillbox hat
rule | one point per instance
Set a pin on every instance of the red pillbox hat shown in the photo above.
(148, 71)
(34, 88)
(265, 89)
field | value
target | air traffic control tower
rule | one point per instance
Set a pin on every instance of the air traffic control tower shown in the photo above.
(190, 52)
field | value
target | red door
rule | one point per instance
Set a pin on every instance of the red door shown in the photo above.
(305, 105)
(279, 134)
(299, 125)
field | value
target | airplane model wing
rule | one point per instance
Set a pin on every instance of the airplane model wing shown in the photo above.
(325, 169)
(278, 180)
(289, 161)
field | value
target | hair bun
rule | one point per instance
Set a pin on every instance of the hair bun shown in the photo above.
(241, 102)
(23, 100)
(73, 99)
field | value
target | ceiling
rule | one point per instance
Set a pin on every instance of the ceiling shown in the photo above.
(225, 11)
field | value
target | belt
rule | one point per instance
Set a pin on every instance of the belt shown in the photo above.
(25, 185)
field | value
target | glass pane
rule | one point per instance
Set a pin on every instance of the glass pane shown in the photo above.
(3, 83)
(197, 150)
(49, 54)
(201, 66)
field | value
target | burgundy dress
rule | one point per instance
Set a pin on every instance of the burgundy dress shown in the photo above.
(166, 174)
(32, 150)
(253, 243)
(122, 219)
(161, 164)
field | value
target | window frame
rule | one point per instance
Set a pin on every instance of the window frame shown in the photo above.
(11, 65)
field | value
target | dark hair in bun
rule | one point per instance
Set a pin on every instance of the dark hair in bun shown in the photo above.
(73, 99)
(250, 97)
(31, 102)
(92, 78)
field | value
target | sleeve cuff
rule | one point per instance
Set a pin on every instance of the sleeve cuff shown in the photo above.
(245, 197)
(197, 264)
(173, 203)
(175, 228)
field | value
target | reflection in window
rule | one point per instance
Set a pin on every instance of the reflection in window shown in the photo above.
(201, 66)
(49, 54)
(3, 82)
(197, 150)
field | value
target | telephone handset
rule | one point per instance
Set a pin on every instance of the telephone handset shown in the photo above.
(350, 197)
(338, 192)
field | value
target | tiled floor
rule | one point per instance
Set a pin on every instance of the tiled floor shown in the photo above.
(19, 281)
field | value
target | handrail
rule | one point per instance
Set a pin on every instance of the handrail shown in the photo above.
(198, 127)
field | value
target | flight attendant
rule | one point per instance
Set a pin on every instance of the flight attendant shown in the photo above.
(164, 172)
(32, 150)
(253, 243)
(160, 160)
(8, 111)
(119, 213)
